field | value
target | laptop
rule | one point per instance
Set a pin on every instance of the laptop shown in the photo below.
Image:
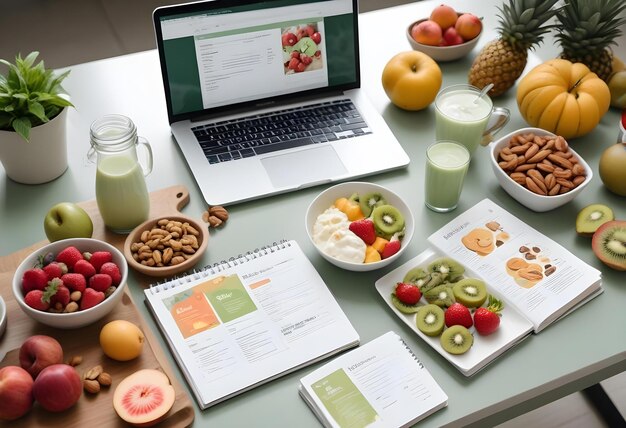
(263, 97)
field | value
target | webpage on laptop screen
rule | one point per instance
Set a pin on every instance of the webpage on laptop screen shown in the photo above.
(238, 54)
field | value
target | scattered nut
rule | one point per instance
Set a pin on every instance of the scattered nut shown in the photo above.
(104, 379)
(91, 386)
(75, 360)
(93, 372)
(215, 216)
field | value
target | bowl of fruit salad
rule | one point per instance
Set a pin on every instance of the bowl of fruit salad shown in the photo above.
(359, 226)
(70, 283)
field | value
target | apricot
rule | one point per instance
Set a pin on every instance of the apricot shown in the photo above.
(451, 37)
(121, 340)
(427, 33)
(444, 15)
(468, 26)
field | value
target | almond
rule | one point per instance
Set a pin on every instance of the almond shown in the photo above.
(93, 372)
(104, 379)
(92, 386)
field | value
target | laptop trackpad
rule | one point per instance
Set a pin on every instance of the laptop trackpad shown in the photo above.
(303, 167)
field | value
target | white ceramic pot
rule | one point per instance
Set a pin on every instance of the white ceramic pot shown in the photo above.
(40, 160)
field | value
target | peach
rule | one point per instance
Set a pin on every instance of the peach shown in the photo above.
(121, 340)
(444, 15)
(427, 33)
(468, 26)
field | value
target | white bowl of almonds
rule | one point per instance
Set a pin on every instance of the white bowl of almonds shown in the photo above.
(166, 246)
(538, 168)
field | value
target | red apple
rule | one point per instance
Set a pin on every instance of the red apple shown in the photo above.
(58, 387)
(38, 352)
(289, 39)
(293, 63)
(16, 392)
(310, 30)
(451, 37)
(300, 67)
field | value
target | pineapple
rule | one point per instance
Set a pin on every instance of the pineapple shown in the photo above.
(522, 24)
(588, 28)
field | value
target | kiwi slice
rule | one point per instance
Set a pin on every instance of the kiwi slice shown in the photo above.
(387, 219)
(447, 267)
(431, 281)
(456, 340)
(441, 295)
(609, 244)
(414, 275)
(591, 217)
(403, 307)
(471, 292)
(354, 198)
(369, 201)
(430, 320)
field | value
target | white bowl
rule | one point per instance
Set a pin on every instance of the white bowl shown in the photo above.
(524, 196)
(327, 198)
(3, 316)
(442, 53)
(79, 318)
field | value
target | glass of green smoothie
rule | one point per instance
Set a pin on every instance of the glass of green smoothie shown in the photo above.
(446, 166)
(462, 113)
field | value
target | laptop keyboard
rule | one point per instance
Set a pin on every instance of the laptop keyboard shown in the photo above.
(279, 130)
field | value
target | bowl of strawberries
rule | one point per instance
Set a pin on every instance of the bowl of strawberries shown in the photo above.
(70, 283)
(359, 226)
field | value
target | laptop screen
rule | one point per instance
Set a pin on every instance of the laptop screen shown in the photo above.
(220, 54)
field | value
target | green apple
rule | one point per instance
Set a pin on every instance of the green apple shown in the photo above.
(67, 220)
(617, 86)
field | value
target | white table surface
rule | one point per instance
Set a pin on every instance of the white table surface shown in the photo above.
(578, 351)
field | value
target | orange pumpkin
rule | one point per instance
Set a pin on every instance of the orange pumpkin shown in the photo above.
(562, 97)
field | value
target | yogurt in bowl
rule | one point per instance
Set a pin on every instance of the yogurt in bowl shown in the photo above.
(354, 238)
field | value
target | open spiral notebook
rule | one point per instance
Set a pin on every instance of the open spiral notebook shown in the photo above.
(243, 322)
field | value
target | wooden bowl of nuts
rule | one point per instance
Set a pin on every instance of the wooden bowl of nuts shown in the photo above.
(166, 246)
(538, 168)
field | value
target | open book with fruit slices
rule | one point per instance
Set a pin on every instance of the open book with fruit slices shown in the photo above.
(445, 284)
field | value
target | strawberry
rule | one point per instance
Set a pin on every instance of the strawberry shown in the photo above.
(408, 293)
(390, 249)
(458, 313)
(364, 229)
(100, 282)
(113, 271)
(56, 292)
(74, 281)
(98, 258)
(91, 298)
(55, 270)
(34, 279)
(34, 299)
(487, 320)
(84, 268)
(69, 255)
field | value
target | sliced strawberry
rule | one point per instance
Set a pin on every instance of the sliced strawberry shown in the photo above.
(390, 249)
(98, 258)
(69, 255)
(487, 320)
(85, 268)
(34, 299)
(408, 293)
(458, 314)
(90, 298)
(34, 279)
(100, 281)
(74, 281)
(113, 271)
(364, 229)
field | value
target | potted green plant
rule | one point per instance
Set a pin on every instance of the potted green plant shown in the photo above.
(33, 110)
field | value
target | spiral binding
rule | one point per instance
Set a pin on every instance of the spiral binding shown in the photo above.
(412, 353)
(220, 266)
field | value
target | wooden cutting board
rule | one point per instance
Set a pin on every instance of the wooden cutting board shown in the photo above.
(94, 410)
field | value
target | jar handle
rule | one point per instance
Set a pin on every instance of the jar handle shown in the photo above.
(146, 166)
